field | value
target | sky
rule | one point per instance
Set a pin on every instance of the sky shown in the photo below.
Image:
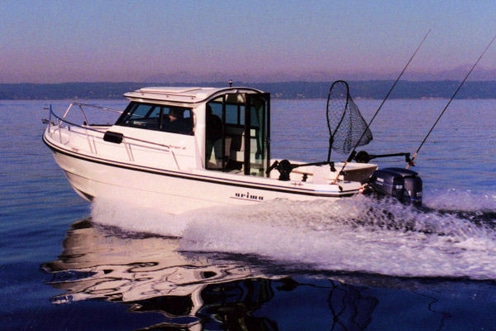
(56, 41)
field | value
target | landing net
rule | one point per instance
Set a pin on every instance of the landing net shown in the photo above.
(347, 128)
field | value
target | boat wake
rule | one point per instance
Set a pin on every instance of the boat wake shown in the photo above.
(453, 237)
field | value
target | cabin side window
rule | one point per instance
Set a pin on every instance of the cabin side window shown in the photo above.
(158, 117)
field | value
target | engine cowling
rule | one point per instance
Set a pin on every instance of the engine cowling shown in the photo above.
(402, 184)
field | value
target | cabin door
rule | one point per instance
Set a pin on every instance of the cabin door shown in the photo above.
(243, 133)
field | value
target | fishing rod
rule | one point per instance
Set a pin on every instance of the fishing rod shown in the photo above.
(350, 157)
(449, 102)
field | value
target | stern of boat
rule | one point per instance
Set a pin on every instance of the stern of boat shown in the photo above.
(354, 172)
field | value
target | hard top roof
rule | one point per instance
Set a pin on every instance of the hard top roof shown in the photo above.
(183, 94)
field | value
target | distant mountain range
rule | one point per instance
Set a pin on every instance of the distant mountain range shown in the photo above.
(371, 89)
(455, 74)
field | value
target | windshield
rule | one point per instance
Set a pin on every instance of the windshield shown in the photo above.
(157, 117)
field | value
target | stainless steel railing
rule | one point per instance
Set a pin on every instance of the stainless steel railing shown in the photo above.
(57, 123)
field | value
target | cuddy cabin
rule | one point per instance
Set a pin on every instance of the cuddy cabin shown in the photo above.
(180, 149)
(216, 129)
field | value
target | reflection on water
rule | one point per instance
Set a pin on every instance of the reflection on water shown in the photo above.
(197, 292)
(209, 291)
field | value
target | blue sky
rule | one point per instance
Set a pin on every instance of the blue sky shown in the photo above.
(258, 40)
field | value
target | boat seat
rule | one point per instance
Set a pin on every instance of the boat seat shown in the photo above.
(239, 154)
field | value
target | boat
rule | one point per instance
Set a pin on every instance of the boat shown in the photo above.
(179, 149)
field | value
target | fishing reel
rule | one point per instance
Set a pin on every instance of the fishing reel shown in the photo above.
(284, 167)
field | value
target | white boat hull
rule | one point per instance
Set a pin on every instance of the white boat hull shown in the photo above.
(176, 192)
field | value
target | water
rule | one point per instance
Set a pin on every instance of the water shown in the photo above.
(357, 264)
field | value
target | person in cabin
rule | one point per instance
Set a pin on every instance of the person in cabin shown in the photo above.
(214, 136)
(175, 123)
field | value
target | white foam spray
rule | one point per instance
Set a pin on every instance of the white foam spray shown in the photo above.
(352, 235)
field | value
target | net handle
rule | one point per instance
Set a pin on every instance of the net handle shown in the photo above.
(332, 134)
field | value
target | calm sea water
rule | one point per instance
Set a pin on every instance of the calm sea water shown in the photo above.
(357, 264)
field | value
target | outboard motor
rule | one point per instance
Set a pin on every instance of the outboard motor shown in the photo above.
(402, 184)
